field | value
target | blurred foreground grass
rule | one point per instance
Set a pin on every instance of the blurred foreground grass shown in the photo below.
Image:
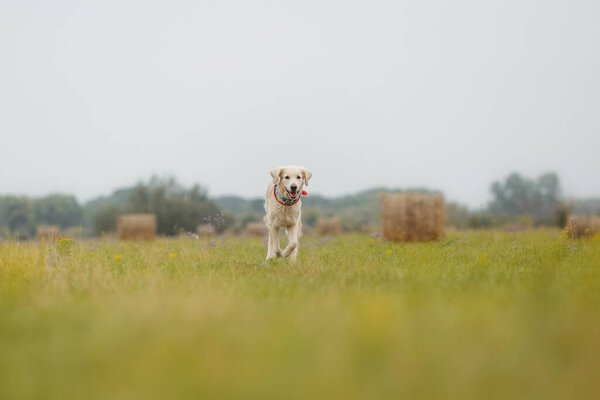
(479, 315)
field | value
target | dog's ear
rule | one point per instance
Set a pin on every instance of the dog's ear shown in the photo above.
(307, 175)
(276, 174)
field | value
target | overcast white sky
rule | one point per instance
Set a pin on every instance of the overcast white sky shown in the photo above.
(96, 95)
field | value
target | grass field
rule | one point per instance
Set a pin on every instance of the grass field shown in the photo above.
(478, 315)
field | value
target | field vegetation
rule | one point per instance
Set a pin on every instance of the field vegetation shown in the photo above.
(477, 315)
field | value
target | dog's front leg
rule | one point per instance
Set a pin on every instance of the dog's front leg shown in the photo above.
(292, 247)
(274, 250)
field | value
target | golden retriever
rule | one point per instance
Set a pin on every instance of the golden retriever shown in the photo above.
(282, 208)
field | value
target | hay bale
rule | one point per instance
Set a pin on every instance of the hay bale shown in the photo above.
(412, 216)
(48, 232)
(206, 230)
(579, 226)
(329, 226)
(255, 229)
(136, 227)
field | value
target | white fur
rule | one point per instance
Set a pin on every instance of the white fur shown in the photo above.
(284, 216)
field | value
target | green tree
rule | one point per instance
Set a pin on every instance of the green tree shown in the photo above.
(522, 196)
(176, 207)
(91, 208)
(105, 219)
(57, 209)
(17, 214)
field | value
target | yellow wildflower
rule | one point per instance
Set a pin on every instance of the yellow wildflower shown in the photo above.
(118, 256)
(172, 255)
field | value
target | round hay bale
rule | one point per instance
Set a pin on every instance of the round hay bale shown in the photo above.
(136, 227)
(48, 232)
(329, 226)
(579, 226)
(255, 229)
(411, 217)
(206, 230)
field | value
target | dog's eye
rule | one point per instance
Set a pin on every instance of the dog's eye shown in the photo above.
(287, 177)
(297, 177)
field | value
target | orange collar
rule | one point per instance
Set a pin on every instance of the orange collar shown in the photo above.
(285, 202)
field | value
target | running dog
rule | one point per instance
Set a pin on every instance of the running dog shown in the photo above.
(283, 208)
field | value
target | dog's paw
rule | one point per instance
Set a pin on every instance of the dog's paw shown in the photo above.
(275, 254)
(289, 249)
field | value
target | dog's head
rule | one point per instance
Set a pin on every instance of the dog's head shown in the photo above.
(290, 179)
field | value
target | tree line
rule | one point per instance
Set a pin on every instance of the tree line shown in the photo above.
(515, 199)
(177, 209)
(20, 215)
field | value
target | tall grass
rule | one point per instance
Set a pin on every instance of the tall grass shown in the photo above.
(478, 315)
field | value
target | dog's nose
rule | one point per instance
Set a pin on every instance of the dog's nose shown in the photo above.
(294, 187)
